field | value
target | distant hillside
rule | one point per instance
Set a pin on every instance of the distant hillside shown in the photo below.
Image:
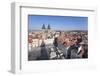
(61, 30)
(72, 30)
(33, 30)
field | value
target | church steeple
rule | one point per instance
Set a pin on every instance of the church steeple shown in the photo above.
(43, 26)
(49, 27)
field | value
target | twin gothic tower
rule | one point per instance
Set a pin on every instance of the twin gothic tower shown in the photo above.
(46, 30)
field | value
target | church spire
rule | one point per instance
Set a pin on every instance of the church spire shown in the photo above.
(43, 26)
(48, 26)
